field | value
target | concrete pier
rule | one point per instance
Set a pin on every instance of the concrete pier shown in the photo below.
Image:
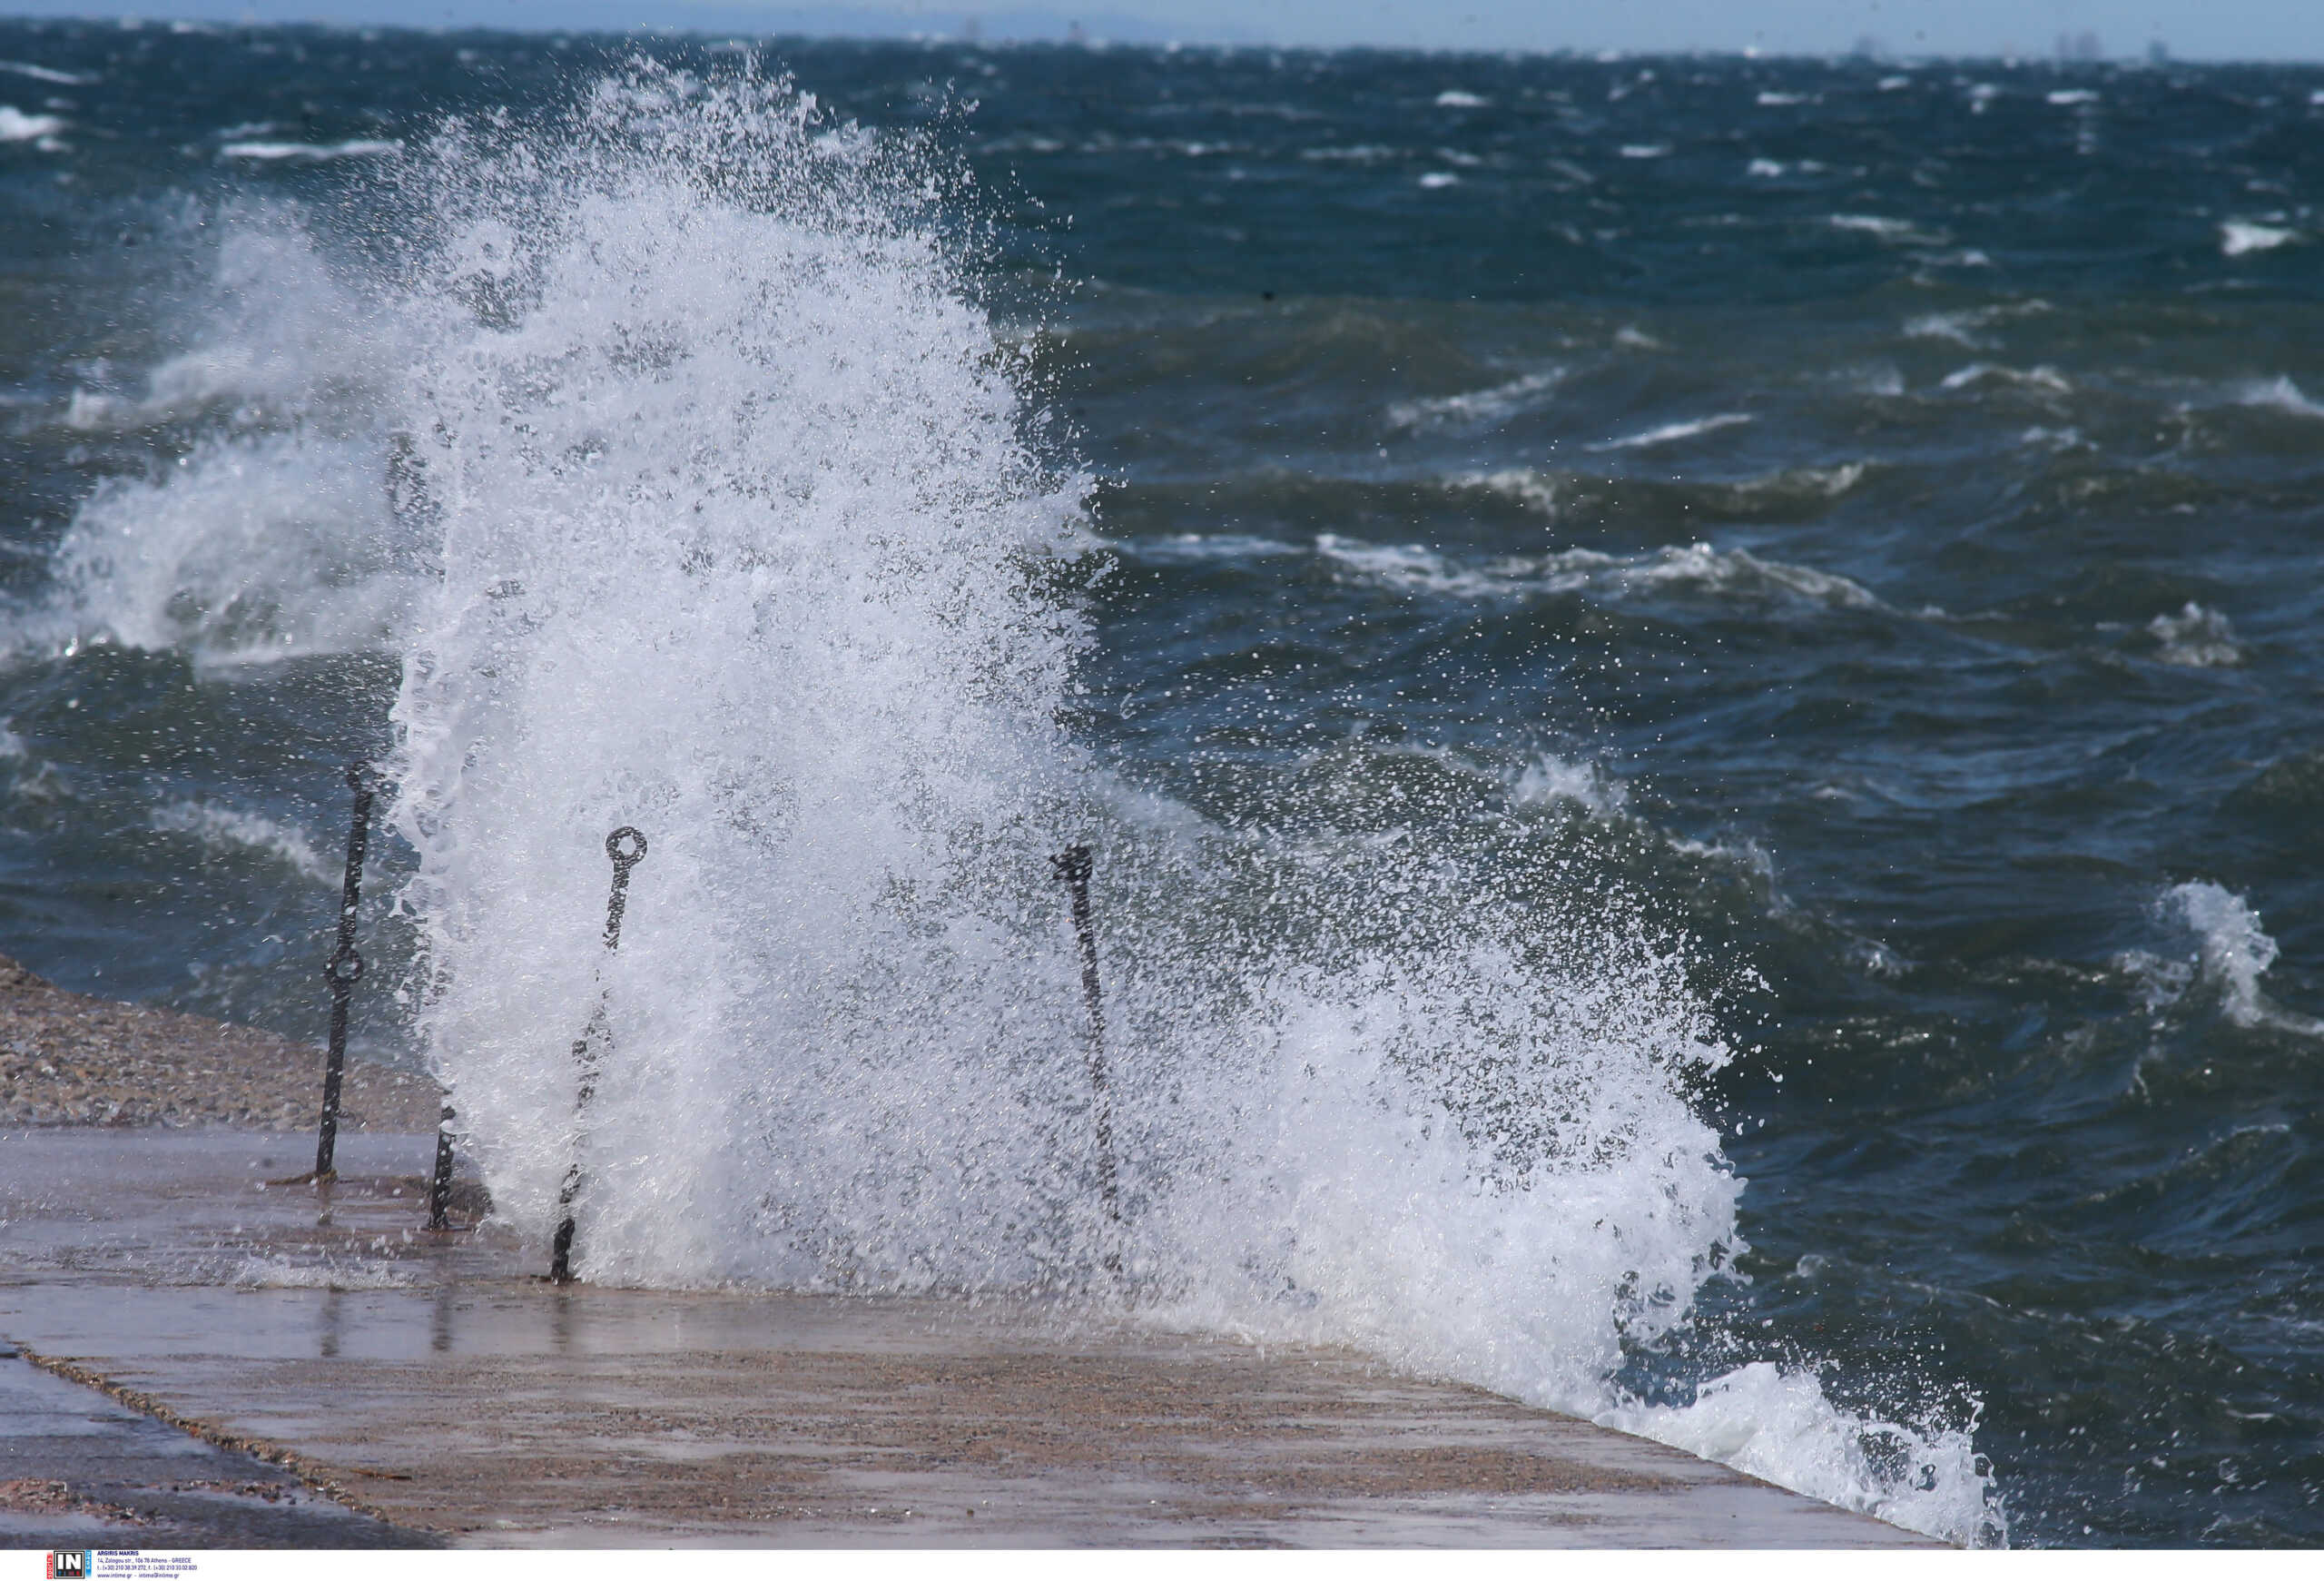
(161, 1290)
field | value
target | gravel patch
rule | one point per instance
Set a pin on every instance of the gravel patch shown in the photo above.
(68, 1058)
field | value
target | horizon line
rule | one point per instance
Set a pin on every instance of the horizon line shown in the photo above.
(1089, 39)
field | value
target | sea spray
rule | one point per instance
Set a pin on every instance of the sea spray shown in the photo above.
(702, 502)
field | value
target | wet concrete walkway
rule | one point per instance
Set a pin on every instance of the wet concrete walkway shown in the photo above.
(431, 1382)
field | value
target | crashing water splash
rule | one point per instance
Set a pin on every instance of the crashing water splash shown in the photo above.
(710, 510)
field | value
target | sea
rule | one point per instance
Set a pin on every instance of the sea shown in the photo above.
(1684, 677)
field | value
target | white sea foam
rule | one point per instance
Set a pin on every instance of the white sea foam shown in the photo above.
(2196, 638)
(230, 828)
(47, 73)
(1496, 404)
(1693, 568)
(1670, 433)
(2070, 97)
(1779, 1425)
(2044, 377)
(2233, 954)
(1645, 150)
(1358, 154)
(1769, 168)
(717, 520)
(2238, 237)
(311, 152)
(2278, 394)
(15, 126)
(1882, 228)
(1459, 99)
(1549, 778)
(1436, 179)
(1771, 100)
(1187, 547)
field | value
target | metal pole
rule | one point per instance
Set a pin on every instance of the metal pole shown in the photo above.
(439, 1191)
(1074, 865)
(627, 846)
(344, 968)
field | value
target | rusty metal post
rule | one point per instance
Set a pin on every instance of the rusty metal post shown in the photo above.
(1074, 865)
(440, 1190)
(626, 847)
(344, 968)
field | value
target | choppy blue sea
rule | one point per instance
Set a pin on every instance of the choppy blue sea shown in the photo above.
(1857, 521)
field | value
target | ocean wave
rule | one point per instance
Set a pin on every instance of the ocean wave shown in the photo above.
(312, 152)
(1670, 433)
(1694, 568)
(2238, 237)
(1768, 495)
(16, 126)
(231, 829)
(1189, 548)
(1460, 99)
(1495, 404)
(2278, 394)
(2233, 954)
(1882, 228)
(1778, 1424)
(1547, 779)
(2042, 378)
(49, 75)
(1356, 153)
(2195, 638)
(282, 339)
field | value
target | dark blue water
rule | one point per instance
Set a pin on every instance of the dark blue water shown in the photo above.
(1869, 513)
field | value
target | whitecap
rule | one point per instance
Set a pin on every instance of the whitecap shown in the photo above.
(1459, 99)
(2195, 638)
(1955, 327)
(1186, 548)
(2233, 952)
(1355, 154)
(1645, 150)
(2044, 378)
(1548, 779)
(1779, 1425)
(231, 829)
(1496, 404)
(1767, 168)
(2070, 96)
(1770, 99)
(309, 153)
(2238, 237)
(1696, 567)
(48, 74)
(1883, 227)
(1436, 179)
(1670, 433)
(15, 126)
(2278, 394)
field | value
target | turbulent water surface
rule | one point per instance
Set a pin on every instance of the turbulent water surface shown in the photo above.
(1686, 676)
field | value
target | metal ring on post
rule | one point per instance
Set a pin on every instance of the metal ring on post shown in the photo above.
(626, 858)
(344, 968)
